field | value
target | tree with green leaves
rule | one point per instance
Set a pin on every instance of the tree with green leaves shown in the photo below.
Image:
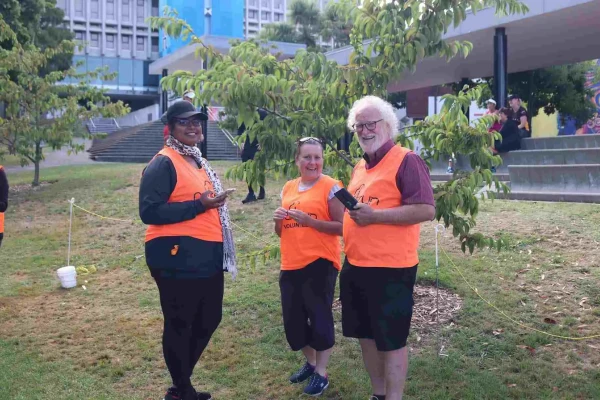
(311, 96)
(560, 88)
(307, 25)
(38, 22)
(40, 108)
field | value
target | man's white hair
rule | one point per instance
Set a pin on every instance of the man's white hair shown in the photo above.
(388, 114)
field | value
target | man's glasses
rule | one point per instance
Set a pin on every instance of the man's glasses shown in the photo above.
(370, 125)
(187, 122)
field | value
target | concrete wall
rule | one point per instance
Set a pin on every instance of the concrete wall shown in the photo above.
(142, 116)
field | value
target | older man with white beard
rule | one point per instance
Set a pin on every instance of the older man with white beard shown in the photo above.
(381, 237)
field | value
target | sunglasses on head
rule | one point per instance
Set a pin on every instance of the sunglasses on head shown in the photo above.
(186, 122)
(309, 139)
(370, 125)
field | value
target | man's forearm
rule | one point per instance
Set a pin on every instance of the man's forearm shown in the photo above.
(405, 215)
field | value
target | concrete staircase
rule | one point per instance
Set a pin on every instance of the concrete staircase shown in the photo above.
(102, 125)
(140, 144)
(562, 168)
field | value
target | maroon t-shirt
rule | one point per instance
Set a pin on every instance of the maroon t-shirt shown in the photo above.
(412, 178)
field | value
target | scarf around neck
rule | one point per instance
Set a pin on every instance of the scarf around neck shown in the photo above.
(229, 261)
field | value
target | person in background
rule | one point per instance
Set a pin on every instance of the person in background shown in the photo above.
(309, 223)
(248, 152)
(491, 107)
(519, 115)
(189, 96)
(381, 238)
(3, 200)
(189, 244)
(511, 140)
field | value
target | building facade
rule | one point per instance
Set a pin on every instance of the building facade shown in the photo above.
(115, 34)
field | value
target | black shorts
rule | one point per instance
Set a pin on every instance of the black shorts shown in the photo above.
(377, 304)
(306, 300)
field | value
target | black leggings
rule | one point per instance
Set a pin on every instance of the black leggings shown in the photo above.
(1, 237)
(192, 310)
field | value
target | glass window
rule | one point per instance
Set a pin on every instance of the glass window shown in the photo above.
(110, 9)
(80, 36)
(95, 40)
(252, 3)
(95, 9)
(110, 41)
(79, 8)
(264, 3)
(125, 42)
(125, 10)
(140, 11)
(265, 15)
(141, 43)
(278, 4)
(252, 14)
(155, 45)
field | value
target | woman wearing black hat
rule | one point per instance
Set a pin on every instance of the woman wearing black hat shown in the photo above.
(189, 244)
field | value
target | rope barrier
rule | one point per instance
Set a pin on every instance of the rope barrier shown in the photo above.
(438, 229)
(509, 318)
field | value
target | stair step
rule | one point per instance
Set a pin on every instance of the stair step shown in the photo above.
(574, 197)
(579, 178)
(562, 142)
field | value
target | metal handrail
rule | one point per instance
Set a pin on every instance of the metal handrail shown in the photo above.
(229, 136)
(116, 123)
(93, 124)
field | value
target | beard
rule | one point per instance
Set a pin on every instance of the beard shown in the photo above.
(372, 145)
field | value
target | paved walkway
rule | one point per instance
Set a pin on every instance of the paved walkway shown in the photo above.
(59, 158)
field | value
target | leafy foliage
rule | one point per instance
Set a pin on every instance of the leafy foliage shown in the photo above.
(38, 22)
(560, 88)
(41, 109)
(311, 96)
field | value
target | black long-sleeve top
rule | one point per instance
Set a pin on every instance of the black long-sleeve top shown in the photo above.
(3, 190)
(194, 258)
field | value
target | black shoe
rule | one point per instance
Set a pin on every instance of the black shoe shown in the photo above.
(249, 199)
(261, 194)
(303, 373)
(317, 385)
(172, 394)
(204, 396)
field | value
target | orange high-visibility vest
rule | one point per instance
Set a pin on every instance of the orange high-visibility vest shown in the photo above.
(301, 245)
(379, 245)
(190, 181)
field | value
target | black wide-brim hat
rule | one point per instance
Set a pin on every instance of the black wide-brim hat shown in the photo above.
(182, 109)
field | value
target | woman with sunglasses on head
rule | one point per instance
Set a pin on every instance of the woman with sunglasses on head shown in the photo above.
(189, 244)
(309, 223)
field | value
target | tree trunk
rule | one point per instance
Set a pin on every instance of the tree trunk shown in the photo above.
(36, 163)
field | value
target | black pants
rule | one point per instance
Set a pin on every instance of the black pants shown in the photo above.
(192, 310)
(1, 237)
(306, 300)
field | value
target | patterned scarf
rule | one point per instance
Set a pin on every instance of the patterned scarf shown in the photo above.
(229, 262)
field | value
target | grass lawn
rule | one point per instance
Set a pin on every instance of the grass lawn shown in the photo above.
(104, 342)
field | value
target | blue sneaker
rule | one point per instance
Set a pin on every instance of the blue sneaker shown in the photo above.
(493, 169)
(317, 385)
(303, 373)
(450, 170)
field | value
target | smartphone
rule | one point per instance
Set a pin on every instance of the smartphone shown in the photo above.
(346, 198)
(226, 192)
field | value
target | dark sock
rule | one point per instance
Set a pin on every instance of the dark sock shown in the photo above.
(250, 190)
(379, 396)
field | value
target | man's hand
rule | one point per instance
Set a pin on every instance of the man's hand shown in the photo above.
(363, 214)
(279, 214)
(209, 200)
(301, 217)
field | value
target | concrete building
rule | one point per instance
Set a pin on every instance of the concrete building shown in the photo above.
(115, 35)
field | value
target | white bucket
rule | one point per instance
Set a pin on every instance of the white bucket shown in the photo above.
(67, 276)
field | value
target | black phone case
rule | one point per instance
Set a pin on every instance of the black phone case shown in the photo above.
(346, 198)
